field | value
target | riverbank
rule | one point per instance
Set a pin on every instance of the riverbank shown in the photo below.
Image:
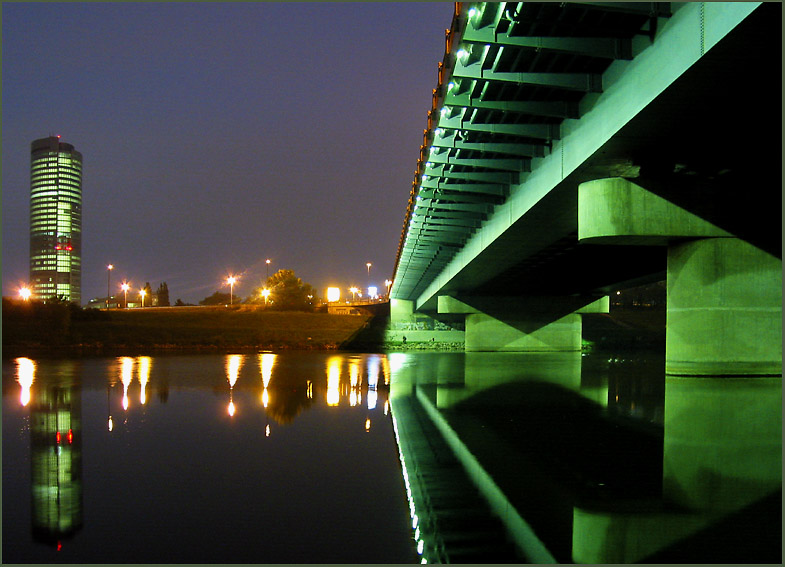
(33, 329)
(36, 329)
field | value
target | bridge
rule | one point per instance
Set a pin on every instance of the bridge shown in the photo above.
(576, 148)
(573, 149)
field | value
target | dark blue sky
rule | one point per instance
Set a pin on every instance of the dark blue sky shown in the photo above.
(216, 135)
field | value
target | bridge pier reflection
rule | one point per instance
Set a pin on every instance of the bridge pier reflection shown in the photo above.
(574, 477)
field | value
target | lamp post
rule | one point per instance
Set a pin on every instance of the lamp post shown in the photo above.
(368, 265)
(230, 280)
(268, 267)
(109, 269)
(125, 287)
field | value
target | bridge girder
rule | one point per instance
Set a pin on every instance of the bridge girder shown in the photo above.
(489, 138)
(501, 96)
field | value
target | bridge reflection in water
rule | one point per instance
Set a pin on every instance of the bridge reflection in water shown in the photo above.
(585, 459)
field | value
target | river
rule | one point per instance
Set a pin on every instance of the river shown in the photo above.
(326, 457)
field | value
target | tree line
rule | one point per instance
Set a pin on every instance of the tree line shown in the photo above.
(285, 292)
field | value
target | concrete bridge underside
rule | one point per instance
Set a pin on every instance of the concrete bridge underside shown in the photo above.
(577, 148)
(672, 104)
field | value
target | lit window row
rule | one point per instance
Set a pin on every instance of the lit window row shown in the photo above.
(51, 200)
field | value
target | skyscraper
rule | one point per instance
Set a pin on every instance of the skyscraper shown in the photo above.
(55, 220)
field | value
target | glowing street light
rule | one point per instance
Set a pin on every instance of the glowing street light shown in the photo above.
(142, 292)
(230, 280)
(109, 269)
(368, 265)
(354, 291)
(333, 294)
(125, 287)
(265, 294)
(25, 293)
(268, 267)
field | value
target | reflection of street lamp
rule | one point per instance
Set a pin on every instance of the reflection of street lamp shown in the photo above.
(265, 294)
(109, 269)
(125, 287)
(25, 293)
(230, 280)
(142, 292)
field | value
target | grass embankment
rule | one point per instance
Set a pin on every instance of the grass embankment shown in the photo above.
(219, 328)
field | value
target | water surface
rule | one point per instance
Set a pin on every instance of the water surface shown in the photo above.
(269, 458)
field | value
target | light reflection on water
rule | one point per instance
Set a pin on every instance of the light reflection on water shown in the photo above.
(238, 458)
(291, 457)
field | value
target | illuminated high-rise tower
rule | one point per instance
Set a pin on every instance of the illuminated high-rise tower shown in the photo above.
(55, 220)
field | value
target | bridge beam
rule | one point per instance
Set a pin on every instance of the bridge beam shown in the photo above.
(724, 295)
(529, 324)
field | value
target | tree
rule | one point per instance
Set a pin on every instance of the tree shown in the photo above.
(148, 295)
(287, 293)
(218, 298)
(163, 295)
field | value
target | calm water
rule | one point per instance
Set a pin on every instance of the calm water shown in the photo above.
(202, 459)
(297, 457)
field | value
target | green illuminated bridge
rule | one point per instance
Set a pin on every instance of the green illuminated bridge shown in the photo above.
(577, 148)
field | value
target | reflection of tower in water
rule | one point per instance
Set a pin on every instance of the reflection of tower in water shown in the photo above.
(56, 458)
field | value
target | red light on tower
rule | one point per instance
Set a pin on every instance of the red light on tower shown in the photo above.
(70, 436)
(57, 437)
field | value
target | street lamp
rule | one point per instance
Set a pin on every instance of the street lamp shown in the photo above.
(354, 291)
(230, 280)
(142, 292)
(125, 287)
(25, 293)
(368, 265)
(265, 294)
(268, 267)
(109, 269)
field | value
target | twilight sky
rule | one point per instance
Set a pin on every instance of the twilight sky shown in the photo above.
(216, 135)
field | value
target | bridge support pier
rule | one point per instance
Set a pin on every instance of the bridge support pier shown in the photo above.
(724, 295)
(530, 324)
(485, 333)
(724, 309)
(723, 359)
